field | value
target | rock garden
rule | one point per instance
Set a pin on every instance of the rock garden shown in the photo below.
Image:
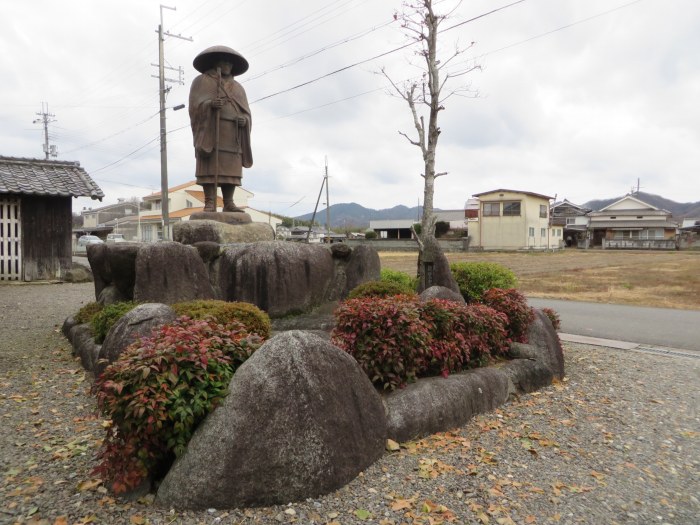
(216, 398)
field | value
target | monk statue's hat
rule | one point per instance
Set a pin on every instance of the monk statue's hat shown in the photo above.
(208, 58)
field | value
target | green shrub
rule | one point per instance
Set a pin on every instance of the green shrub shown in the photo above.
(105, 318)
(514, 305)
(385, 335)
(379, 289)
(253, 318)
(553, 317)
(401, 278)
(158, 391)
(474, 278)
(441, 228)
(87, 312)
(370, 234)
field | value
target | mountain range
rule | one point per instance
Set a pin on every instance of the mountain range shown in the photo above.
(353, 215)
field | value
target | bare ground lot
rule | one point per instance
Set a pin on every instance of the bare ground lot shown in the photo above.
(642, 278)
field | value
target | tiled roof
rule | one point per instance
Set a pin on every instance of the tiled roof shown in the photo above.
(46, 177)
(595, 225)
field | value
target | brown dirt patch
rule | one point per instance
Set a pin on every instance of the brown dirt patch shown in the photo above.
(663, 279)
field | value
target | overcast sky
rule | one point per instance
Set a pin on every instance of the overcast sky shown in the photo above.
(577, 99)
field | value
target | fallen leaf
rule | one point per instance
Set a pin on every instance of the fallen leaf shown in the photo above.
(401, 504)
(392, 446)
(362, 514)
(89, 484)
(137, 520)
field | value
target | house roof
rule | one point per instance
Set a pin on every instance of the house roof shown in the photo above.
(595, 225)
(567, 202)
(532, 194)
(629, 198)
(631, 213)
(46, 177)
(156, 195)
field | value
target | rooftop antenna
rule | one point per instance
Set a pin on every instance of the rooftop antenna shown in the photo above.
(46, 118)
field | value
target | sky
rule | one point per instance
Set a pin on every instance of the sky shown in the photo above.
(575, 99)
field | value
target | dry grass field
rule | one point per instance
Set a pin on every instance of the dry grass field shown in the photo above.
(643, 278)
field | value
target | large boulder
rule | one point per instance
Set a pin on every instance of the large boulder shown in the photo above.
(362, 265)
(137, 323)
(113, 265)
(279, 277)
(437, 404)
(440, 292)
(543, 345)
(439, 274)
(194, 231)
(301, 419)
(170, 272)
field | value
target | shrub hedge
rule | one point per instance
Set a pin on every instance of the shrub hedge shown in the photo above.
(87, 312)
(401, 278)
(159, 390)
(398, 339)
(474, 278)
(253, 318)
(103, 320)
(514, 305)
(379, 289)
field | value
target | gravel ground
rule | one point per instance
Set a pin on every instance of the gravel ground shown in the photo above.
(617, 442)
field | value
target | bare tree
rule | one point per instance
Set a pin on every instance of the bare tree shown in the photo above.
(427, 94)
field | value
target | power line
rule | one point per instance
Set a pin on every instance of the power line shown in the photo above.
(378, 56)
(564, 27)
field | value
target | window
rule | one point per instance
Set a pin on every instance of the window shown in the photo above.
(570, 220)
(492, 209)
(532, 231)
(511, 208)
(189, 204)
(543, 232)
(543, 211)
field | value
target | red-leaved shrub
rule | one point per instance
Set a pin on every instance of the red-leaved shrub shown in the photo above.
(385, 335)
(158, 391)
(553, 317)
(396, 340)
(514, 305)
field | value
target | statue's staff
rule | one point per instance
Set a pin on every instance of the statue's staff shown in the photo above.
(216, 137)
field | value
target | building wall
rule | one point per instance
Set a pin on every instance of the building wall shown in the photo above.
(46, 237)
(527, 230)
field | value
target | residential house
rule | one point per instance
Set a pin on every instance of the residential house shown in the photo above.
(514, 220)
(36, 216)
(183, 201)
(630, 223)
(104, 220)
(573, 219)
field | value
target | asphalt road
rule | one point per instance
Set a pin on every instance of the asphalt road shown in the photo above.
(663, 327)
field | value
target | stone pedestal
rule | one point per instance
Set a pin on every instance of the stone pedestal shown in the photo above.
(227, 217)
(220, 232)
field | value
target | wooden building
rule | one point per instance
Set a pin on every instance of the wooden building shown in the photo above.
(36, 216)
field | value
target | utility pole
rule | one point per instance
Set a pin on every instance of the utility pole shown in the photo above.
(328, 204)
(46, 118)
(165, 208)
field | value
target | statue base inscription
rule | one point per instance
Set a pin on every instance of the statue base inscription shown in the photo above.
(228, 217)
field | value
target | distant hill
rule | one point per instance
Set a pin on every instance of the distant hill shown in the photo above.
(678, 210)
(352, 215)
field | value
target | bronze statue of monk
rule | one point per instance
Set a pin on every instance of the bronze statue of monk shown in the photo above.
(221, 123)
